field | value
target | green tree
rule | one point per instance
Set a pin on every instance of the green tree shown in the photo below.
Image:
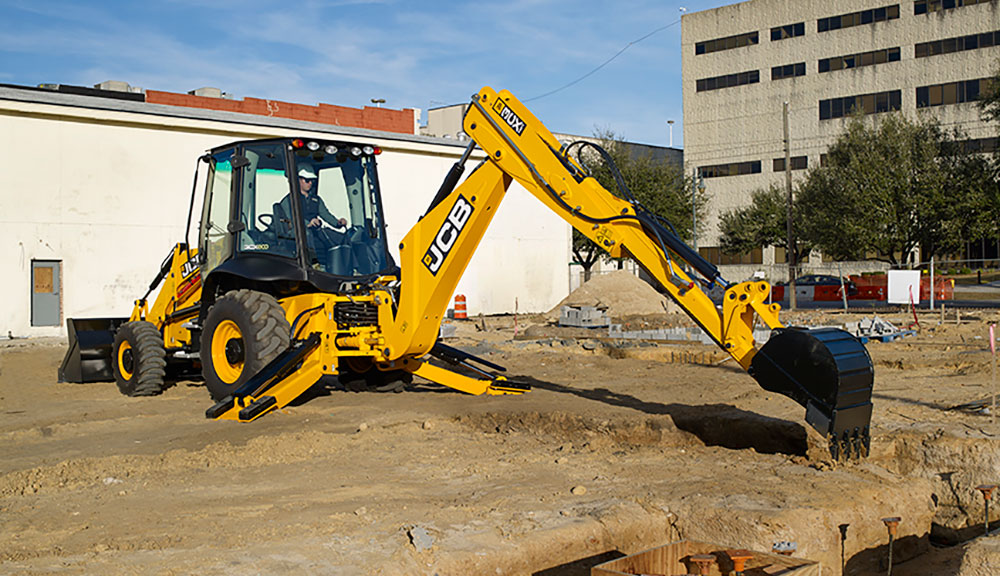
(884, 190)
(658, 184)
(763, 223)
(989, 99)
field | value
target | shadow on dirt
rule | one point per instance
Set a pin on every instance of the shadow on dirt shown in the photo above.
(876, 560)
(580, 567)
(713, 424)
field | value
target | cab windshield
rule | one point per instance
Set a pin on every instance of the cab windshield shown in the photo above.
(339, 205)
(335, 196)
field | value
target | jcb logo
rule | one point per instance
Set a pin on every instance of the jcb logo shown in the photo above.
(189, 268)
(447, 235)
(508, 115)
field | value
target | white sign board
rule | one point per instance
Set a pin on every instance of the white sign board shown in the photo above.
(904, 285)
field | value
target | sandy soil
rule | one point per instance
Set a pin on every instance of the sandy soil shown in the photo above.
(615, 450)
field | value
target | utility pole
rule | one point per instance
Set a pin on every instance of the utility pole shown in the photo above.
(694, 204)
(697, 185)
(790, 237)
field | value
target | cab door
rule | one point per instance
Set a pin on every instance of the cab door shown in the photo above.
(214, 239)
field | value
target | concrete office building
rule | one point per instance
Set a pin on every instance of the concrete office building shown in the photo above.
(742, 62)
(94, 192)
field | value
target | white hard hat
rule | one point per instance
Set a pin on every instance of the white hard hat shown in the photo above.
(307, 173)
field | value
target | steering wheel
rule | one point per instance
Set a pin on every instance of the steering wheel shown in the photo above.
(269, 220)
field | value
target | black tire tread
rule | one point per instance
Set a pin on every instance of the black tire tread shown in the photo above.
(149, 358)
(266, 333)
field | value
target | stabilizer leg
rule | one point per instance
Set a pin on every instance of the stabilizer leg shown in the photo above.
(445, 377)
(278, 384)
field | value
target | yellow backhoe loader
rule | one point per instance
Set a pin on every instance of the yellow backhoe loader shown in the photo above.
(292, 281)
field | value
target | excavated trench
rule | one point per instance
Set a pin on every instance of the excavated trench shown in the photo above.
(928, 478)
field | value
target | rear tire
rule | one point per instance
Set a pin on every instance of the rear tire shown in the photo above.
(244, 330)
(139, 361)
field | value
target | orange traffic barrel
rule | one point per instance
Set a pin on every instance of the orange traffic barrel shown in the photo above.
(460, 311)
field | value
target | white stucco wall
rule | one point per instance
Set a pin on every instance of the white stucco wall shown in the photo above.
(106, 191)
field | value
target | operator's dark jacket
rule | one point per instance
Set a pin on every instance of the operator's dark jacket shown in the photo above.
(312, 206)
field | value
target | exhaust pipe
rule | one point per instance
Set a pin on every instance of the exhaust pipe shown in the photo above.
(830, 373)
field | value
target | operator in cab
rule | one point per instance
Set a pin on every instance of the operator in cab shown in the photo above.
(314, 213)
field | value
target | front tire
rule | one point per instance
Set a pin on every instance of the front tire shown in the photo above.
(139, 361)
(243, 332)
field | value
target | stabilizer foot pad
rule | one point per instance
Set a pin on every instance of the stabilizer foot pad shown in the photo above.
(258, 407)
(510, 387)
(219, 408)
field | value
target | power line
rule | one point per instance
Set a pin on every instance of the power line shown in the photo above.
(605, 63)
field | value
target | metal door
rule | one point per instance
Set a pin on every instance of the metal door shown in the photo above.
(45, 288)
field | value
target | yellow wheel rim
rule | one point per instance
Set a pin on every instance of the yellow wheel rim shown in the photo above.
(125, 361)
(227, 371)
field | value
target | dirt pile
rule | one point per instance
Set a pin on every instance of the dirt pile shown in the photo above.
(621, 292)
(982, 557)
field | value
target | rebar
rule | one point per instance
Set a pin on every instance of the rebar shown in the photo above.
(891, 524)
(739, 558)
(704, 562)
(987, 490)
(843, 541)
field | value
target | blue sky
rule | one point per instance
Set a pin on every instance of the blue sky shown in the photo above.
(414, 54)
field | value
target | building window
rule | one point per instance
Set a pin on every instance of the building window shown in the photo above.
(928, 6)
(781, 256)
(857, 60)
(858, 18)
(978, 145)
(958, 44)
(728, 81)
(788, 71)
(731, 169)
(951, 93)
(866, 103)
(727, 43)
(716, 256)
(798, 163)
(788, 31)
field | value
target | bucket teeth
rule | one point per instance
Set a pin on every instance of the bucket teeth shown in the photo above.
(830, 373)
(851, 445)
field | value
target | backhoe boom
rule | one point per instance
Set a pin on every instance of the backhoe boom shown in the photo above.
(832, 381)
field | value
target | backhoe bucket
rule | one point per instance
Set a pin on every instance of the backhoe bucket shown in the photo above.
(828, 371)
(88, 358)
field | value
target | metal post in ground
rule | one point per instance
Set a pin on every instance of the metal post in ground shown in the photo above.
(932, 282)
(739, 558)
(843, 287)
(891, 524)
(843, 541)
(987, 490)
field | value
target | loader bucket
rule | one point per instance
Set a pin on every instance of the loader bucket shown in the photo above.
(88, 358)
(828, 371)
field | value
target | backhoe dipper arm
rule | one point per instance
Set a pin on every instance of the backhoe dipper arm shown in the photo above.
(826, 378)
(519, 147)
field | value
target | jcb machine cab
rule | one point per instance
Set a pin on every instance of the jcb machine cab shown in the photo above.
(284, 218)
(291, 280)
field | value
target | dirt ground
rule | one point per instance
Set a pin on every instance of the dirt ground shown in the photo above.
(618, 448)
